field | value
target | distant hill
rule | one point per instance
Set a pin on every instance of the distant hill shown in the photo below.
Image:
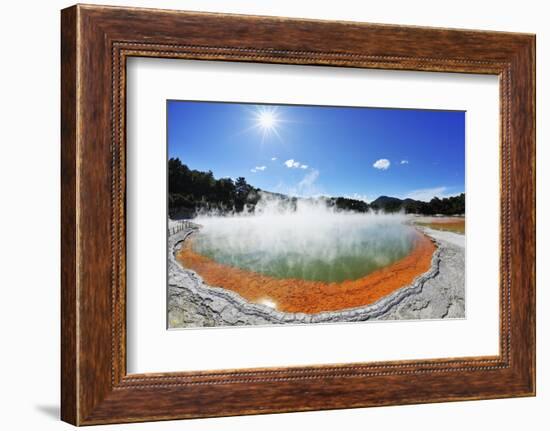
(387, 203)
(191, 192)
(454, 205)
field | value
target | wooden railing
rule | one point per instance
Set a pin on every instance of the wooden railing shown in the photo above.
(179, 226)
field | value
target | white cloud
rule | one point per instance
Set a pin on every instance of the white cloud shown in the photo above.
(404, 162)
(291, 163)
(273, 159)
(382, 164)
(427, 195)
(258, 169)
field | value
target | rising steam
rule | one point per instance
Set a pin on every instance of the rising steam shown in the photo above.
(306, 240)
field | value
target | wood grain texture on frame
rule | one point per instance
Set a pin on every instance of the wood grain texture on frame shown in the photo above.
(95, 42)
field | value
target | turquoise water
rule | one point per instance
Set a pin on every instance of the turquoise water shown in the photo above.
(329, 247)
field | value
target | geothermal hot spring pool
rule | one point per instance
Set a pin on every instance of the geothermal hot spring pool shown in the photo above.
(310, 260)
(347, 248)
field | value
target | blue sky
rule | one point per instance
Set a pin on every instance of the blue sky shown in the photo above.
(316, 150)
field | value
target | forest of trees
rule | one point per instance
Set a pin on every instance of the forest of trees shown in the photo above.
(454, 205)
(191, 191)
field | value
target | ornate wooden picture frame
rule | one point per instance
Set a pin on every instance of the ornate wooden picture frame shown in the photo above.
(96, 41)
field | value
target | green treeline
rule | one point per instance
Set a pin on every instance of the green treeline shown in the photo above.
(191, 191)
(454, 205)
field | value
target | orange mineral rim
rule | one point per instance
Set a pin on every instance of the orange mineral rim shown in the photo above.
(293, 295)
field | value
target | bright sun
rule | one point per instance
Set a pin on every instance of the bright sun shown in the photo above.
(267, 120)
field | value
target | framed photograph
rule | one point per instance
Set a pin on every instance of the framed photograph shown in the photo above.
(275, 241)
(264, 215)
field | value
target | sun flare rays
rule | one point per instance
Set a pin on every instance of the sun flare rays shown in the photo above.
(265, 120)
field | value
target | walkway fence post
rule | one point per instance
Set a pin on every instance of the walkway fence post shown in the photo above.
(179, 226)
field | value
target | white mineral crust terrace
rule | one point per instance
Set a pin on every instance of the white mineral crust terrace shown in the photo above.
(435, 294)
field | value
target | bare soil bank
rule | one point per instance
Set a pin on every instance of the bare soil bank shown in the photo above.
(451, 224)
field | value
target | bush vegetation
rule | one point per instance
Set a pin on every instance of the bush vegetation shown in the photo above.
(191, 191)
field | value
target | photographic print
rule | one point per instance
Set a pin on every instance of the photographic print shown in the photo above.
(298, 214)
